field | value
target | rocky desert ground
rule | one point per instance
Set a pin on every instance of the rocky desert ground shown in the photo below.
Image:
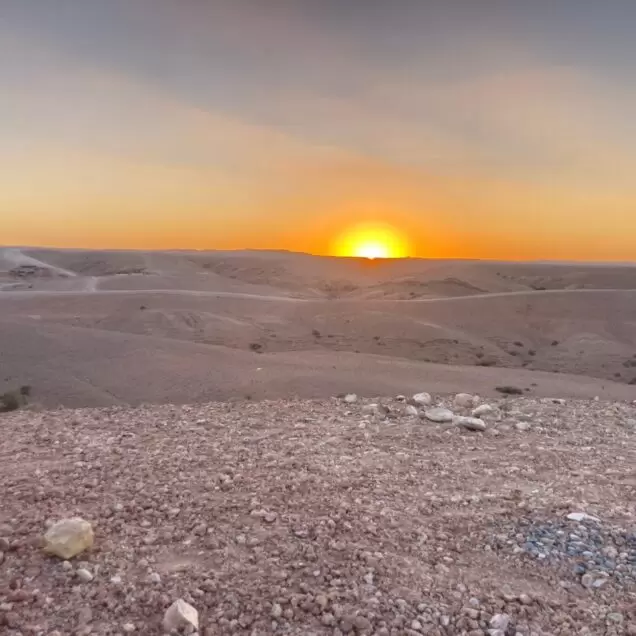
(441, 516)
(271, 443)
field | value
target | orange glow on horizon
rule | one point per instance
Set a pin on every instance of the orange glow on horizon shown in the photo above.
(372, 240)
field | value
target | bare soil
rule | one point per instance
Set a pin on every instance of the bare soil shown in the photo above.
(320, 517)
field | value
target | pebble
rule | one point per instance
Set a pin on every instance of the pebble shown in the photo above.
(470, 423)
(465, 400)
(500, 621)
(422, 399)
(411, 410)
(68, 538)
(582, 516)
(180, 616)
(483, 409)
(439, 415)
(351, 398)
(84, 575)
(128, 627)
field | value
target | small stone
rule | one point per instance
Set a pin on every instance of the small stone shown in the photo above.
(439, 415)
(470, 423)
(270, 517)
(411, 410)
(582, 516)
(68, 538)
(154, 577)
(630, 630)
(84, 575)
(525, 599)
(500, 621)
(351, 398)
(483, 409)
(362, 624)
(181, 616)
(128, 628)
(615, 617)
(328, 619)
(465, 400)
(277, 610)
(346, 624)
(116, 580)
(422, 399)
(416, 625)
(522, 427)
(67, 566)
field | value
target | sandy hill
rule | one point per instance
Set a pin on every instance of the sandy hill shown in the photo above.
(99, 327)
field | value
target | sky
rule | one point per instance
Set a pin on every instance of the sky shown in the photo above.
(497, 129)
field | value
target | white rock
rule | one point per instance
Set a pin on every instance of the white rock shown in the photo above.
(466, 400)
(470, 423)
(351, 398)
(180, 616)
(522, 427)
(439, 415)
(129, 628)
(582, 516)
(483, 409)
(68, 538)
(422, 399)
(500, 621)
(84, 575)
(411, 410)
(277, 610)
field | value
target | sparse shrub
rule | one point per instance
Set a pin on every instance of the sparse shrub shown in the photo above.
(486, 363)
(256, 346)
(142, 307)
(555, 343)
(376, 338)
(479, 355)
(518, 343)
(13, 400)
(632, 381)
(532, 352)
(509, 390)
(315, 333)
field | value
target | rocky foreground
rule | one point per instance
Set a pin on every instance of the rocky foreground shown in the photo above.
(440, 517)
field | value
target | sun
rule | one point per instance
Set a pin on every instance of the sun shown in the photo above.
(371, 240)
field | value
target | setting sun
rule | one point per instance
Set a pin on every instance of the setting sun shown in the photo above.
(371, 240)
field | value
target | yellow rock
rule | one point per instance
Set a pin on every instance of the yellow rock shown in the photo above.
(68, 538)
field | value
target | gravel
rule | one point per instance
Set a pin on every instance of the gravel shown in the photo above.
(326, 517)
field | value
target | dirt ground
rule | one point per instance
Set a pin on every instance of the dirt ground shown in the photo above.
(324, 517)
